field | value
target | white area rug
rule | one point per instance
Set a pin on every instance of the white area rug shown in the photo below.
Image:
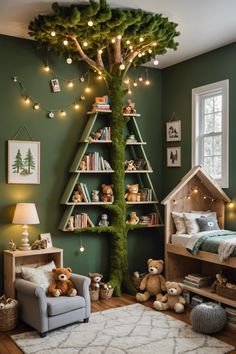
(130, 329)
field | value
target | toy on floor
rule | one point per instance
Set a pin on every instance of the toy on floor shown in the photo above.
(134, 219)
(95, 280)
(61, 283)
(153, 283)
(172, 300)
(104, 220)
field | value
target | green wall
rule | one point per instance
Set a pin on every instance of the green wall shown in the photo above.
(178, 82)
(59, 141)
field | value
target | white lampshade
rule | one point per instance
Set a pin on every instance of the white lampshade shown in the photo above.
(25, 214)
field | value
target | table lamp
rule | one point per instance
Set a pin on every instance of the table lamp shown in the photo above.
(25, 214)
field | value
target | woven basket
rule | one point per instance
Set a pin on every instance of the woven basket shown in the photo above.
(137, 281)
(226, 292)
(106, 293)
(8, 318)
(94, 295)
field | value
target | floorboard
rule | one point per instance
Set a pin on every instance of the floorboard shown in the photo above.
(7, 346)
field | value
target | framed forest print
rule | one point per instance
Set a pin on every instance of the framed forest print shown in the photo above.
(174, 156)
(173, 130)
(23, 162)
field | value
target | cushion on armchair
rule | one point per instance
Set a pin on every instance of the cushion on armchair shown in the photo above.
(62, 304)
(41, 275)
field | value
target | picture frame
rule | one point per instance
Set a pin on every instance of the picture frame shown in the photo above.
(174, 156)
(48, 238)
(55, 85)
(23, 162)
(173, 130)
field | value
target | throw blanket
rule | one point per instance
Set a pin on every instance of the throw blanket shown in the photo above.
(225, 249)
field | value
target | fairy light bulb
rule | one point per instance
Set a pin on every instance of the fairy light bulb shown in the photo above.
(46, 68)
(82, 97)
(87, 89)
(69, 60)
(82, 249)
(63, 113)
(154, 44)
(128, 41)
(139, 55)
(27, 100)
(85, 44)
(188, 196)
(156, 62)
(204, 197)
(53, 33)
(135, 84)
(147, 82)
(129, 92)
(122, 67)
(70, 84)
(195, 191)
(90, 23)
(140, 79)
(76, 106)
(130, 47)
(126, 81)
(231, 205)
(65, 42)
(131, 60)
(113, 40)
(36, 106)
(149, 51)
(141, 39)
(119, 37)
(143, 53)
(82, 79)
(99, 77)
(14, 79)
(174, 201)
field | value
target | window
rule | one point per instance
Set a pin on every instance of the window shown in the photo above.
(210, 130)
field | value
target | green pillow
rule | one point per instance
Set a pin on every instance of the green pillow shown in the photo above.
(207, 223)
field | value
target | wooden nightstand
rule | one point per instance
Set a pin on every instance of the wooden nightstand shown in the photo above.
(13, 260)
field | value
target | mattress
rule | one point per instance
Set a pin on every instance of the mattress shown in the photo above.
(180, 240)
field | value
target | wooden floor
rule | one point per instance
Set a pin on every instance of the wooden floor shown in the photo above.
(7, 346)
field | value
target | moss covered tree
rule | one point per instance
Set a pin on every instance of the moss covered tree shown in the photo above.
(110, 41)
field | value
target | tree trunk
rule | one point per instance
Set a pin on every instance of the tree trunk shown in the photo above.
(119, 274)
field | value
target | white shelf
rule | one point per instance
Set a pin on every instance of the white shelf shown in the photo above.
(99, 111)
(132, 115)
(95, 171)
(140, 171)
(136, 143)
(144, 202)
(91, 203)
(97, 141)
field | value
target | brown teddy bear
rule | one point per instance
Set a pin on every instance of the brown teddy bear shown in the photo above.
(173, 299)
(61, 283)
(129, 165)
(77, 197)
(134, 219)
(153, 283)
(95, 281)
(107, 193)
(132, 195)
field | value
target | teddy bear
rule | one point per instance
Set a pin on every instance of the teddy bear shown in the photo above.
(172, 299)
(107, 193)
(95, 195)
(129, 108)
(133, 195)
(61, 283)
(153, 283)
(134, 219)
(95, 281)
(83, 165)
(97, 135)
(104, 220)
(39, 244)
(129, 164)
(77, 197)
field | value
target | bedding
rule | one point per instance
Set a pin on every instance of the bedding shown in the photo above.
(180, 240)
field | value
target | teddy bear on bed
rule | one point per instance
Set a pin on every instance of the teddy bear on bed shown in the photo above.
(172, 300)
(61, 283)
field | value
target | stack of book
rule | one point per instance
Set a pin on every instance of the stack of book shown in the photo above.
(150, 219)
(82, 188)
(82, 220)
(95, 162)
(196, 300)
(101, 104)
(106, 133)
(145, 194)
(231, 318)
(197, 280)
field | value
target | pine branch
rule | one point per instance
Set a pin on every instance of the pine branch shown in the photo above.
(95, 229)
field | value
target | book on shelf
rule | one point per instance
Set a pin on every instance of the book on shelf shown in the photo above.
(82, 220)
(198, 276)
(95, 162)
(150, 219)
(145, 194)
(197, 280)
(82, 191)
(102, 99)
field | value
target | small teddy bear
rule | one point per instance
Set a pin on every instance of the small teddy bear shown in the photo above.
(129, 164)
(173, 299)
(70, 225)
(61, 283)
(83, 165)
(95, 280)
(95, 195)
(132, 195)
(107, 193)
(104, 220)
(77, 197)
(134, 219)
(129, 108)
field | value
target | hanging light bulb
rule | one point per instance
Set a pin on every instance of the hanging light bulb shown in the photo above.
(122, 67)
(99, 77)
(156, 62)
(82, 249)
(154, 44)
(126, 81)
(14, 79)
(139, 55)
(113, 40)
(82, 79)
(119, 36)
(143, 53)
(82, 97)
(130, 47)
(174, 201)
(231, 205)
(53, 33)
(204, 197)
(195, 190)
(51, 115)
(90, 23)
(140, 79)
(87, 89)
(131, 60)
(141, 39)
(135, 84)
(100, 51)
(85, 43)
(188, 196)
(128, 41)
(76, 105)
(129, 92)
(147, 82)
(65, 42)
(27, 100)
(70, 84)
(69, 60)
(149, 51)
(63, 113)
(36, 106)
(46, 68)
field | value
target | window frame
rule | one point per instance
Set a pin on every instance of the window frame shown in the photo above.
(198, 94)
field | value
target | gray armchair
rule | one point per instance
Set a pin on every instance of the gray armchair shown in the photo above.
(45, 313)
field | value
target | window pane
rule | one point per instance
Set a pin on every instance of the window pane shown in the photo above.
(217, 145)
(218, 122)
(217, 167)
(208, 146)
(218, 103)
(208, 105)
(208, 123)
(209, 165)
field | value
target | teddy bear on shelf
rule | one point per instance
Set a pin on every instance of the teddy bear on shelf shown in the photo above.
(107, 193)
(95, 281)
(134, 219)
(129, 108)
(95, 195)
(83, 165)
(61, 283)
(172, 300)
(70, 224)
(104, 220)
(153, 283)
(39, 245)
(77, 197)
(129, 165)
(133, 195)
(96, 136)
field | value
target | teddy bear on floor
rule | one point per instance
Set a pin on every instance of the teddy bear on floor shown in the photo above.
(61, 283)
(107, 193)
(153, 283)
(172, 300)
(95, 281)
(132, 195)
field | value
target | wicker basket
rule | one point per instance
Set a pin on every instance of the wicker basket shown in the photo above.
(94, 295)
(137, 281)
(226, 292)
(106, 293)
(8, 318)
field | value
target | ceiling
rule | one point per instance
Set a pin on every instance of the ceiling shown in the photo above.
(204, 24)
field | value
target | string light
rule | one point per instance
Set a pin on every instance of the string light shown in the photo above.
(69, 60)
(129, 92)
(154, 44)
(82, 97)
(119, 36)
(147, 82)
(36, 106)
(14, 79)
(156, 62)
(70, 84)
(100, 51)
(231, 205)
(113, 40)
(122, 67)
(27, 100)
(85, 44)
(53, 33)
(51, 115)
(126, 81)
(63, 113)
(149, 51)
(128, 42)
(82, 79)
(139, 55)
(46, 68)
(135, 84)
(90, 23)
(141, 39)
(99, 77)
(140, 79)
(65, 42)
(87, 89)
(82, 249)
(76, 106)
(131, 47)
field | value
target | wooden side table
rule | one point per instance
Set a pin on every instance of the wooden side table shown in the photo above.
(13, 260)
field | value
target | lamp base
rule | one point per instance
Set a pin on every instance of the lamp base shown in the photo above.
(24, 248)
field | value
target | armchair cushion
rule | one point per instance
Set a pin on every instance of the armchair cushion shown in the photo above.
(62, 304)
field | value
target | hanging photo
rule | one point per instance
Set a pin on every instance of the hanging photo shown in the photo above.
(23, 162)
(173, 130)
(174, 157)
(55, 85)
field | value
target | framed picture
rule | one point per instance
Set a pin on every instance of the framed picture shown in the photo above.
(48, 238)
(55, 85)
(173, 130)
(23, 162)
(174, 157)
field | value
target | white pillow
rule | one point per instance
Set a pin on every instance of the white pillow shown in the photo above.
(41, 276)
(191, 223)
(179, 223)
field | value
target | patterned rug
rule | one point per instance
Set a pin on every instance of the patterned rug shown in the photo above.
(130, 329)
